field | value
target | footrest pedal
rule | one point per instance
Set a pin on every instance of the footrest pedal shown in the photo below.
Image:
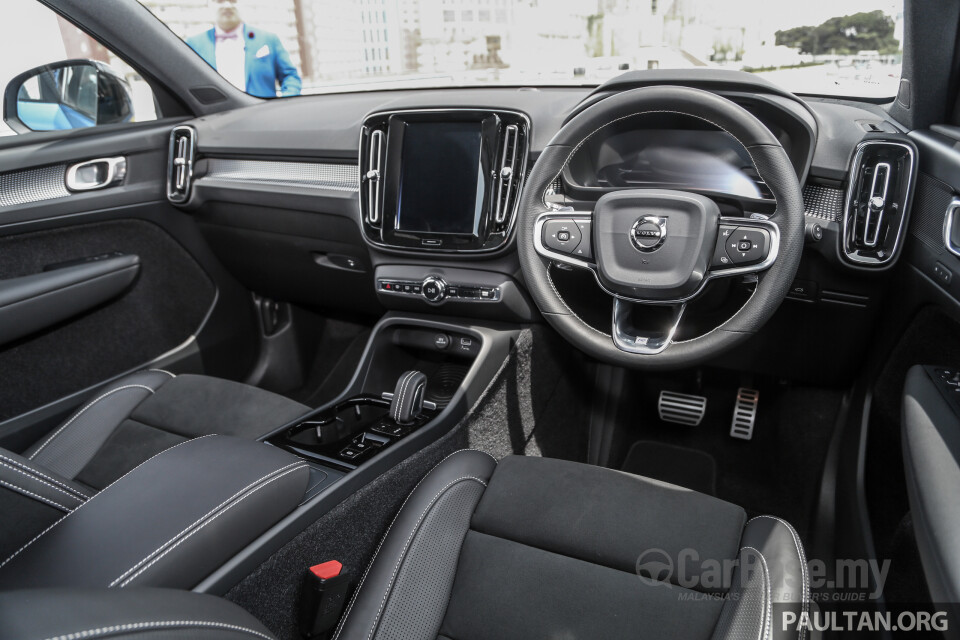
(744, 413)
(681, 408)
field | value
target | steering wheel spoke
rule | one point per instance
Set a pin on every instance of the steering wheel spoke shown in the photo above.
(565, 235)
(744, 245)
(647, 330)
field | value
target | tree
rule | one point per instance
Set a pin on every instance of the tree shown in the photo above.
(864, 31)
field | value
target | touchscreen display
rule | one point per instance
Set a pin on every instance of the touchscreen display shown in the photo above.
(441, 182)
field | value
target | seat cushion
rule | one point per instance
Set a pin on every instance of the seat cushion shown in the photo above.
(169, 522)
(560, 549)
(122, 615)
(150, 411)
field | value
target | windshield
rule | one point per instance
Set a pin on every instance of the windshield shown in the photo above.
(271, 48)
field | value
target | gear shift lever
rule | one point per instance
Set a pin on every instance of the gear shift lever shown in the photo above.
(406, 401)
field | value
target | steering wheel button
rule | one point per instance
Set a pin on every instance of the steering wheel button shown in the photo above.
(721, 259)
(748, 245)
(561, 235)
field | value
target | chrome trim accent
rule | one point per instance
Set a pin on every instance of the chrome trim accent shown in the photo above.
(876, 203)
(180, 164)
(116, 170)
(643, 345)
(569, 214)
(908, 196)
(948, 222)
(441, 288)
(32, 185)
(375, 160)
(660, 221)
(524, 158)
(506, 172)
(312, 175)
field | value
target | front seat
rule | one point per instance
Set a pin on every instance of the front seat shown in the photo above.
(133, 419)
(525, 548)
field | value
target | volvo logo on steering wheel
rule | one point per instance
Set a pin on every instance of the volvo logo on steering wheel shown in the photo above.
(648, 233)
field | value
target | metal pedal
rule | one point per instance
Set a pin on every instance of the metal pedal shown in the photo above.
(744, 413)
(681, 408)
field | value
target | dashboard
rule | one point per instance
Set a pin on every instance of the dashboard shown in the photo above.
(406, 200)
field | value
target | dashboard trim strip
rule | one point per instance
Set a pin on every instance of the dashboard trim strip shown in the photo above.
(336, 177)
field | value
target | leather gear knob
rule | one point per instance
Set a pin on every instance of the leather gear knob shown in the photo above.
(407, 403)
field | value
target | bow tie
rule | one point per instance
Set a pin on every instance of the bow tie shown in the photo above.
(227, 36)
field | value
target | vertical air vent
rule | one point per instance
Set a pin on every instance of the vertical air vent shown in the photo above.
(506, 170)
(180, 168)
(878, 202)
(373, 176)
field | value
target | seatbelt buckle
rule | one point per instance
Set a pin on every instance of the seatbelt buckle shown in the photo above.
(322, 597)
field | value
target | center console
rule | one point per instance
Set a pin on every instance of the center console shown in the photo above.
(442, 180)
(413, 375)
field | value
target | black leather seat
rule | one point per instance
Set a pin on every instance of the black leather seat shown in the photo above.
(527, 548)
(135, 418)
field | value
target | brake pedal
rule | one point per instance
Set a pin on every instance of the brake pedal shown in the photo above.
(681, 408)
(745, 413)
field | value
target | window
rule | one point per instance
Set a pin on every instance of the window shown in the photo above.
(101, 89)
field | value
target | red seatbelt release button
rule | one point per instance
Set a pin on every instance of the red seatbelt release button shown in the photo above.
(327, 570)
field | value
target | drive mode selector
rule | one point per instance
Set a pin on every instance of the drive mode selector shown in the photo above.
(434, 289)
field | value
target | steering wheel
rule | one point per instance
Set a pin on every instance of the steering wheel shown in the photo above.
(660, 247)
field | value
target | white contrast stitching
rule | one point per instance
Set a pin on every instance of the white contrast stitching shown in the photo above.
(406, 545)
(198, 521)
(159, 624)
(80, 413)
(356, 593)
(35, 495)
(572, 312)
(172, 375)
(39, 535)
(805, 587)
(403, 391)
(198, 529)
(768, 609)
(36, 472)
(35, 479)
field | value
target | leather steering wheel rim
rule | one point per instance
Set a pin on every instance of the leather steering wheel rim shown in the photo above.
(773, 166)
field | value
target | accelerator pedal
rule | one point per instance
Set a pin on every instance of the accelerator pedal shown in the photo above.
(745, 413)
(681, 408)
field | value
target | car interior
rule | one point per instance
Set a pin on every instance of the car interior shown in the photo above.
(479, 362)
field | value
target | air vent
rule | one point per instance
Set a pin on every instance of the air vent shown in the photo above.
(878, 202)
(372, 176)
(506, 174)
(180, 168)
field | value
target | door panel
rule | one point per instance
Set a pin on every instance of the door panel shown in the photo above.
(180, 308)
(33, 302)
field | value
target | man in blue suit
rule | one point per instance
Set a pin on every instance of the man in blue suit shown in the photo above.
(251, 59)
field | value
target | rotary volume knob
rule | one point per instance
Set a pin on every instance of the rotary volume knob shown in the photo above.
(434, 289)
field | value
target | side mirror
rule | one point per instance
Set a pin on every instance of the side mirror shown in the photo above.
(67, 95)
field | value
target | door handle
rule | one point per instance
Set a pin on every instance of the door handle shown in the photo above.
(96, 174)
